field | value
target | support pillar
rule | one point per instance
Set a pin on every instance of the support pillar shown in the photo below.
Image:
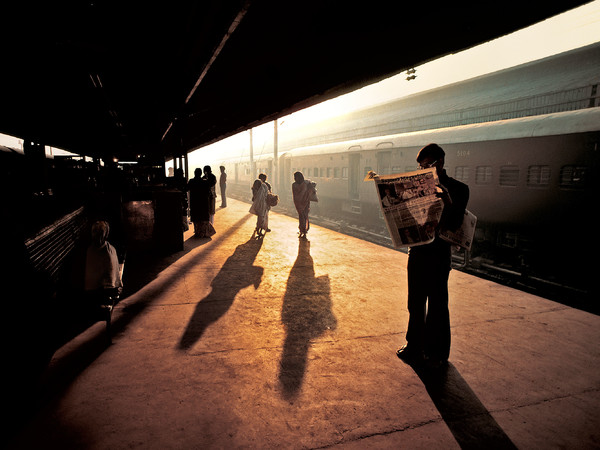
(275, 174)
(252, 168)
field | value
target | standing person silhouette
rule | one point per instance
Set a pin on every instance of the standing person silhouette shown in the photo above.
(211, 181)
(301, 191)
(199, 190)
(263, 177)
(223, 186)
(260, 207)
(428, 334)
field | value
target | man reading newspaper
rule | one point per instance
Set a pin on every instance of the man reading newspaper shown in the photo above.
(428, 335)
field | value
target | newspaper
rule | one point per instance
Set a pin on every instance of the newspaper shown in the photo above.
(410, 207)
(463, 237)
(412, 210)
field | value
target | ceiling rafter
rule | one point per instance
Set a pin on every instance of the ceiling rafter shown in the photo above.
(178, 75)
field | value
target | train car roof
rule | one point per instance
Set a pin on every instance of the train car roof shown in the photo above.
(564, 71)
(570, 122)
(560, 82)
(113, 78)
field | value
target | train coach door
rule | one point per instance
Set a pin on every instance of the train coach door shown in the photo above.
(354, 177)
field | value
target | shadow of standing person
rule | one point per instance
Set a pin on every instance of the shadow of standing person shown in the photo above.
(306, 314)
(470, 422)
(237, 273)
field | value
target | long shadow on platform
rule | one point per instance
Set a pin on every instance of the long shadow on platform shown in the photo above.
(41, 389)
(142, 267)
(470, 422)
(237, 273)
(147, 271)
(306, 314)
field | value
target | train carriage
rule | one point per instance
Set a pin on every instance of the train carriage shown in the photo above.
(515, 167)
(530, 182)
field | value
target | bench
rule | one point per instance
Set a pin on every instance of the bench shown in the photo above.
(49, 249)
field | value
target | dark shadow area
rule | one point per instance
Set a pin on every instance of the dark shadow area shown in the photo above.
(470, 422)
(142, 267)
(237, 273)
(33, 383)
(306, 314)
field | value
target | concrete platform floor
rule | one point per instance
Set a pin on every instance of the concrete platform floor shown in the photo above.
(236, 342)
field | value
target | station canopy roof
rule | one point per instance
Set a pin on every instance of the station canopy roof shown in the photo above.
(123, 78)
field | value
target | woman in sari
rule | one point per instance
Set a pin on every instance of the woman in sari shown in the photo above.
(302, 190)
(260, 207)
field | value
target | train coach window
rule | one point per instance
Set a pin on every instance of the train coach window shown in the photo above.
(483, 175)
(345, 173)
(336, 172)
(461, 173)
(384, 163)
(316, 172)
(509, 175)
(538, 176)
(573, 177)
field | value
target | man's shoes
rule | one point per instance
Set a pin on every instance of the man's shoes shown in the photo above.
(409, 355)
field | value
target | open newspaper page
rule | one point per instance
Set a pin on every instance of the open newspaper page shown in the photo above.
(410, 207)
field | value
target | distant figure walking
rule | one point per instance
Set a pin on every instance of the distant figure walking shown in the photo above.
(223, 186)
(302, 191)
(199, 190)
(260, 206)
(263, 177)
(211, 180)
